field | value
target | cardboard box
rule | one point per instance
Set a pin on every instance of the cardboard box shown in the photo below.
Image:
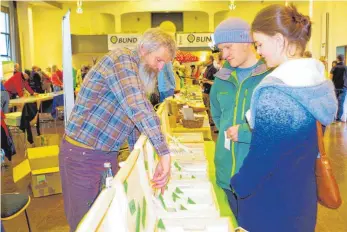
(45, 182)
(43, 157)
(47, 140)
(13, 119)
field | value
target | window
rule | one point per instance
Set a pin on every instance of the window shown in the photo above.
(5, 44)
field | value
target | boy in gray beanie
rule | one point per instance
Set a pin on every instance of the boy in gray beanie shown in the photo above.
(230, 98)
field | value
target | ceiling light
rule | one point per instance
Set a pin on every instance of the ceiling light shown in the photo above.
(79, 9)
(232, 5)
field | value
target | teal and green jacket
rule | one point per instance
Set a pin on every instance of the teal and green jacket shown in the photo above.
(230, 100)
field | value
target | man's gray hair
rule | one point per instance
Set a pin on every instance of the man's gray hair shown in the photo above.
(155, 38)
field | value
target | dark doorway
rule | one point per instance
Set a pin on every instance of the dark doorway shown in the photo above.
(176, 18)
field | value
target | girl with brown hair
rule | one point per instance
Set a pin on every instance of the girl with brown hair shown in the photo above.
(276, 186)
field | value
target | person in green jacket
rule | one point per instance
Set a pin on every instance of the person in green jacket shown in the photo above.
(230, 98)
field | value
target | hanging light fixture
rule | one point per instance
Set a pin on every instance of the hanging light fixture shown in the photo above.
(232, 5)
(79, 9)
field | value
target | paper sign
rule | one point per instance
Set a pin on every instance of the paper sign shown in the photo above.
(226, 141)
(188, 113)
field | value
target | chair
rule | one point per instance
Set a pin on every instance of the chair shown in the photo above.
(13, 204)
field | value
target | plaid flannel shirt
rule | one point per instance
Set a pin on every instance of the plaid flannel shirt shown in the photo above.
(112, 106)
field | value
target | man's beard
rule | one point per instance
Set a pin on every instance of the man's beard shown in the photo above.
(148, 77)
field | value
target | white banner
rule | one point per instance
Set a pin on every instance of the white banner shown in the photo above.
(193, 39)
(122, 40)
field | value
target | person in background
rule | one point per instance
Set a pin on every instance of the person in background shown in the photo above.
(56, 80)
(276, 186)
(74, 78)
(16, 85)
(333, 64)
(231, 97)
(84, 71)
(111, 107)
(35, 80)
(207, 81)
(16, 68)
(59, 73)
(79, 79)
(338, 75)
(166, 82)
(307, 54)
(46, 80)
(5, 99)
(218, 61)
(193, 70)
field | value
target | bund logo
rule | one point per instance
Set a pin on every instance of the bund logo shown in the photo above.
(191, 38)
(114, 39)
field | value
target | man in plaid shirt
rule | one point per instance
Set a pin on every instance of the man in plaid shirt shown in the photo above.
(113, 106)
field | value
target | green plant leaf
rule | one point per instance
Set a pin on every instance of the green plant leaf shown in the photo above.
(179, 168)
(175, 197)
(144, 212)
(162, 201)
(138, 218)
(190, 201)
(178, 190)
(161, 224)
(132, 207)
(125, 184)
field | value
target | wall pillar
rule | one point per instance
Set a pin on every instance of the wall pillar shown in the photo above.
(211, 22)
(26, 34)
(118, 23)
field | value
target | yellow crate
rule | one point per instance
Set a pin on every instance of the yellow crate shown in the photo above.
(47, 140)
(43, 157)
(13, 119)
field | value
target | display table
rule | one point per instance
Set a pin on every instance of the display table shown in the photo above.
(205, 129)
(221, 197)
(192, 202)
(39, 98)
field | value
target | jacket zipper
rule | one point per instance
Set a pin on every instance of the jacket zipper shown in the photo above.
(244, 102)
(234, 123)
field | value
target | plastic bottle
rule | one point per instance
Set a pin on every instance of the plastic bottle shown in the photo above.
(2, 156)
(109, 175)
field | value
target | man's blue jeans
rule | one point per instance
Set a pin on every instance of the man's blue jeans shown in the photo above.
(232, 201)
(341, 96)
(165, 94)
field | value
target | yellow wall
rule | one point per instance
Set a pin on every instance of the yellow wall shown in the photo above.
(338, 28)
(195, 21)
(91, 23)
(136, 22)
(47, 37)
(105, 17)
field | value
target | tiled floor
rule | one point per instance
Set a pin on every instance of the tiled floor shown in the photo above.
(47, 213)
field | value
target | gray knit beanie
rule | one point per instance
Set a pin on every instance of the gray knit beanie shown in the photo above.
(232, 30)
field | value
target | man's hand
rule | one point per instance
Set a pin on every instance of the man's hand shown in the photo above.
(233, 132)
(35, 94)
(162, 173)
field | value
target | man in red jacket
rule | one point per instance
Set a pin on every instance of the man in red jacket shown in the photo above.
(17, 83)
